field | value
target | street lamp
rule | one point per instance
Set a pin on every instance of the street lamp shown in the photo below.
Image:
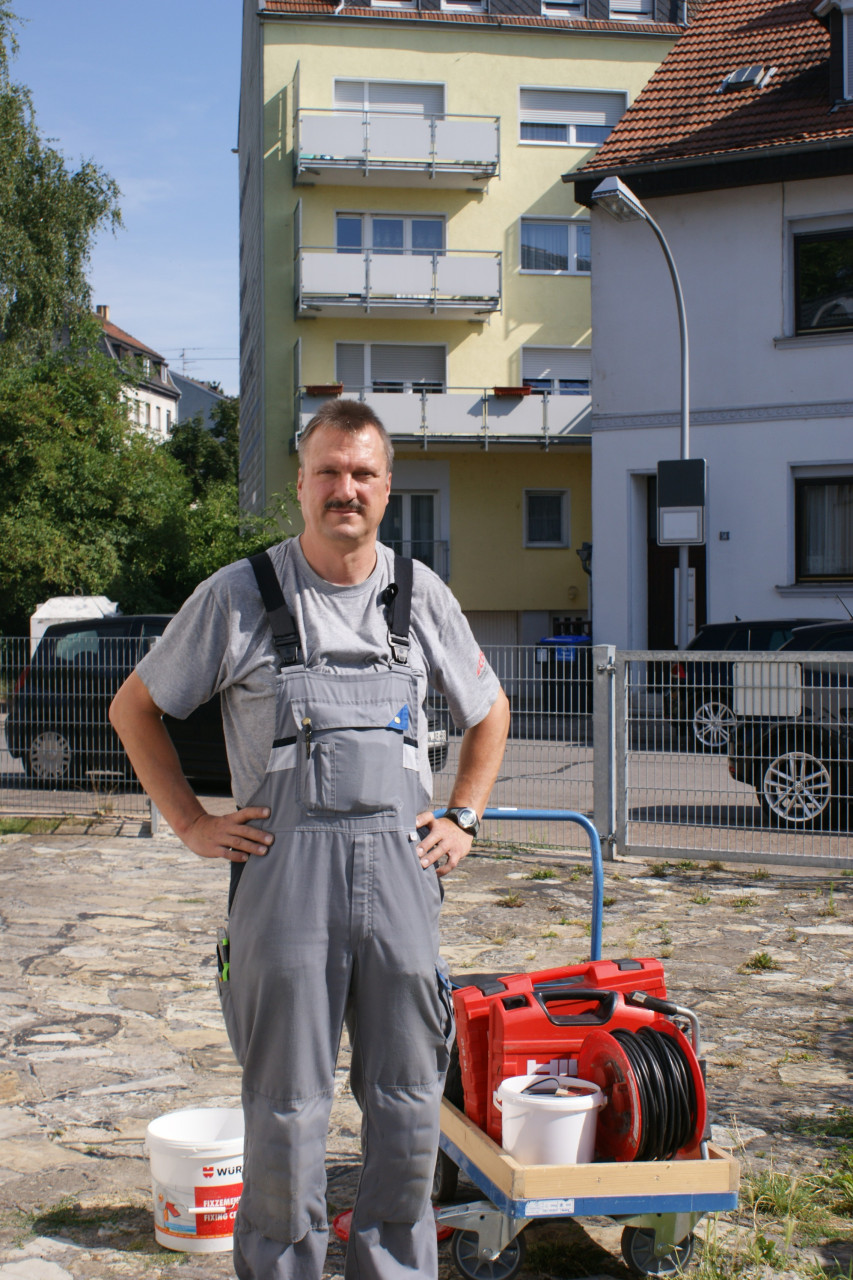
(621, 203)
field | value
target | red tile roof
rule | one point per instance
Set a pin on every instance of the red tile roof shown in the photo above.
(475, 19)
(115, 334)
(680, 116)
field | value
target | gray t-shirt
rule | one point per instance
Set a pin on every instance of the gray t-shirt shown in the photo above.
(220, 642)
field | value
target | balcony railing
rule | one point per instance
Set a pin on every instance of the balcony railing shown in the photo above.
(354, 146)
(470, 415)
(455, 285)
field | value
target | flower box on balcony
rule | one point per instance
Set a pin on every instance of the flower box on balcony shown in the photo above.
(324, 389)
(512, 391)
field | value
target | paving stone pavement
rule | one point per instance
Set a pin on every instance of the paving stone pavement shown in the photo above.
(109, 1018)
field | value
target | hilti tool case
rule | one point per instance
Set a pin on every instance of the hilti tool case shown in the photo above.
(523, 1023)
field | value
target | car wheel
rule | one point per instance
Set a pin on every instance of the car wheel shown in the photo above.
(712, 723)
(51, 759)
(796, 790)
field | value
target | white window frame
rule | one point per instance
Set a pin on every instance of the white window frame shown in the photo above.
(464, 6)
(368, 215)
(564, 9)
(572, 247)
(617, 15)
(555, 381)
(565, 518)
(366, 81)
(802, 226)
(571, 125)
(367, 371)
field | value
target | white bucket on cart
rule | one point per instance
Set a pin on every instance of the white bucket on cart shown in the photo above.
(543, 1128)
(196, 1159)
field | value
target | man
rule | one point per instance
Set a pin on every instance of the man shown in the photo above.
(335, 916)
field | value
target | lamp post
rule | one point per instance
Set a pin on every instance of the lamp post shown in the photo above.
(620, 202)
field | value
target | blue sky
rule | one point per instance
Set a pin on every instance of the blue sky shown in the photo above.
(150, 92)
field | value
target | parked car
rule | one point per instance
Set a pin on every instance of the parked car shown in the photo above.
(701, 692)
(58, 718)
(799, 764)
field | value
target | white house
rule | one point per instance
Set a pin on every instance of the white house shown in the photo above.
(741, 149)
(152, 399)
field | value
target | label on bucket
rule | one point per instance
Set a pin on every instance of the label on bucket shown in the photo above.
(212, 1214)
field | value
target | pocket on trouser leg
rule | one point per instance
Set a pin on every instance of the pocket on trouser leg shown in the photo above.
(445, 1000)
(224, 990)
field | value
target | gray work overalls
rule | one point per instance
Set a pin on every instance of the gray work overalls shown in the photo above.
(337, 923)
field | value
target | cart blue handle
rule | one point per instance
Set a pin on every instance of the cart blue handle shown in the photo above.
(509, 814)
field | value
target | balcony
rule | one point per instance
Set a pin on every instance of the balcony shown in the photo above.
(455, 286)
(384, 148)
(471, 416)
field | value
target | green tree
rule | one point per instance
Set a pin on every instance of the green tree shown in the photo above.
(209, 455)
(48, 217)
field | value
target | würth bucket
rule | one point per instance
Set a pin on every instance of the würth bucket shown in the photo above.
(196, 1159)
(549, 1127)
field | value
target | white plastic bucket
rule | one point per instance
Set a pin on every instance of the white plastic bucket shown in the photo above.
(541, 1128)
(196, 1159)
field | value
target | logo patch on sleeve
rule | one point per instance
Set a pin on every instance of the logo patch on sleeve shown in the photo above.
(481, 664)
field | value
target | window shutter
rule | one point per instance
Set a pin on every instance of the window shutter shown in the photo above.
(382, 95)
(349, 365)
(637, 8)
(571, 106)
(397, 363)
(350, 94)
(548, 362)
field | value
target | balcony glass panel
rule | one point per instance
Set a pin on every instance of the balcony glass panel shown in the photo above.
(332, 273)
(399, 137)
(402, 275)
(324, 137)
(471, 141)
(468, 277)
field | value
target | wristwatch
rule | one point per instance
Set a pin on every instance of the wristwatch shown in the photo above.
(465, 819)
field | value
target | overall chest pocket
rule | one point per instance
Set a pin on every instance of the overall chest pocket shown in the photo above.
(351, 744)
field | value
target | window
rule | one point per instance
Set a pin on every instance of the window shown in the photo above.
(146, 367)
(823, 281)
(824, 529)
(848, 55)
(390, 367)
(388, 233)
(404, 96)
(562, 371)
(168, 422)
(464, 6)
(546, 518)
(408, 526)
(568, 117)
(554, 247)
(563, 9)
(159, 420)
(632, 10)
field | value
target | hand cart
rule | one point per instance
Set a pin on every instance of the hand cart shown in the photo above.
(658, 1202)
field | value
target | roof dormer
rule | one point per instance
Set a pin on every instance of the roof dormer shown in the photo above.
(837, 17)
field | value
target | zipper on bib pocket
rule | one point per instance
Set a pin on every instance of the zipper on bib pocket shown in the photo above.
(306, 725)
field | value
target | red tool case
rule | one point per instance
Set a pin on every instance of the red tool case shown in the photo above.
(483, 1063)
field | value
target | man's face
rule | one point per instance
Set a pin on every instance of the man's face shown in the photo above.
(343, 485)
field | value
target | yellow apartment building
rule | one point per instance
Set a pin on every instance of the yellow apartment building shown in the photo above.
(405, 238)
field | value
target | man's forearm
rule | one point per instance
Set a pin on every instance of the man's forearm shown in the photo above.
(480, 757)
(137, 721)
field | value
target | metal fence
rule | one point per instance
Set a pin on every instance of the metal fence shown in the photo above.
(735, 756)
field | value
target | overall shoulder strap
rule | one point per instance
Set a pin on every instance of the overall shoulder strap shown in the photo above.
(398, 597)
(284, 634)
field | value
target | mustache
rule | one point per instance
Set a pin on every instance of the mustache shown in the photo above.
(336, 505)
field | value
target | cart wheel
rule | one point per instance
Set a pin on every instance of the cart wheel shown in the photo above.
(445, 1179)
(505, 1266)
(638, 1250)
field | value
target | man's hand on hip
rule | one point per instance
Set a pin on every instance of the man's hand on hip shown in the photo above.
(229, 836)
(445, 846)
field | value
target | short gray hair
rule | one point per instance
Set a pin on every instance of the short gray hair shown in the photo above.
(351, 416)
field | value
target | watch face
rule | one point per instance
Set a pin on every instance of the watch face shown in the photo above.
(466, 819)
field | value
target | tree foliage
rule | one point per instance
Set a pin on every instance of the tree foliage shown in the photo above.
(209, 455)
(90, 506)
(48, 217)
